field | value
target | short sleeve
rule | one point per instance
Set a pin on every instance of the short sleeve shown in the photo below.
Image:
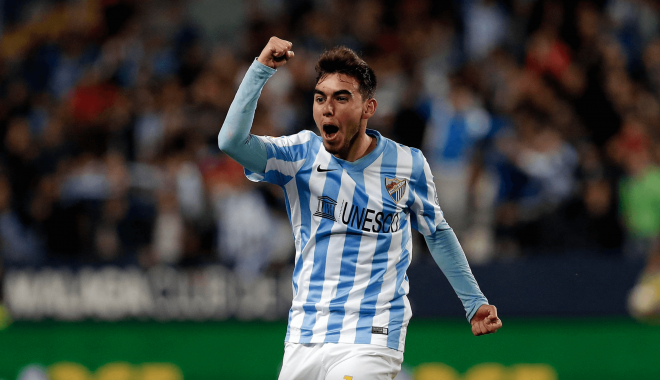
(285, 154)
(425, 212)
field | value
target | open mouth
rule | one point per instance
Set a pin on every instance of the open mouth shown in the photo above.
(330, 130)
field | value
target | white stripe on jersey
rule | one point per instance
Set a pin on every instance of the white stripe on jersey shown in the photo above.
(352, 228)
(432, 195)
(293, 203)
(404, 170)
(315, 187)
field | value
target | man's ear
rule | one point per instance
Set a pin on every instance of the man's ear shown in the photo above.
(369, 108)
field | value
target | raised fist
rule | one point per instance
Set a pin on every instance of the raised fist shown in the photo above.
(276, 53)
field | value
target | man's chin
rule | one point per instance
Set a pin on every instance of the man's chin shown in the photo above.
(331, 148)
(337, 151)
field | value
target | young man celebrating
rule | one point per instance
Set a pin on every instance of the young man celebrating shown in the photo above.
(352, 197)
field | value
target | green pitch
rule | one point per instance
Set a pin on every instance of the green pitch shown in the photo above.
(545, 349)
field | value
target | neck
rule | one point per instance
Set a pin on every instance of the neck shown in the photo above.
(363, 145)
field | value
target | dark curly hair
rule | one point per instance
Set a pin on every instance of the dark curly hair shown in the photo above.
(342, 60)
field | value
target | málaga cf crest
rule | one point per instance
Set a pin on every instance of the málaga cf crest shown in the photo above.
(396, 188)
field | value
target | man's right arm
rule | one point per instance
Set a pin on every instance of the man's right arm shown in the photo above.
(234, 138)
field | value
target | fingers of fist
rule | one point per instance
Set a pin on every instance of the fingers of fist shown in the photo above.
(488, 325)
(281, 56)
(280, 48)
(276, 52)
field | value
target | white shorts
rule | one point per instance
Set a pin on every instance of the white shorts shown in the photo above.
(339, 361)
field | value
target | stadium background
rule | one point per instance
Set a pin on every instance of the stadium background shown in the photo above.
(131, 248)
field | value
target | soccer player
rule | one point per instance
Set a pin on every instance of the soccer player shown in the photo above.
(352, 197)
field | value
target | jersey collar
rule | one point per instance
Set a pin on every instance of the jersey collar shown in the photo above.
(363, 162)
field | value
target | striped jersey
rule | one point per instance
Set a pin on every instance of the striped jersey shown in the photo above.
(352, 225)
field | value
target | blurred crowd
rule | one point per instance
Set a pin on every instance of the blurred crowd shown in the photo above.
(539, 118)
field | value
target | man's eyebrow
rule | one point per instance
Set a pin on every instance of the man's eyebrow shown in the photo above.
(343, 92)
(336, 93)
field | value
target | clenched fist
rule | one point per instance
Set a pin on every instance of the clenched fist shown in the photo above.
(276, 53)
(485, 320)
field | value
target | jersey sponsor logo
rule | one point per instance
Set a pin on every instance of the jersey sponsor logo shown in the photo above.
(326, 208)
(379, 330)
(396, 187)
(369, 220)
(361, 218)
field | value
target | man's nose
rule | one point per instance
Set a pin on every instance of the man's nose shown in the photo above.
(328, 109)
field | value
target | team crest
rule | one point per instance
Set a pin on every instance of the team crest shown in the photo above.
(396, 188)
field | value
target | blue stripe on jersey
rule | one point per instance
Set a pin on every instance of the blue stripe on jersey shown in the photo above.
(302, 184)
(348, 267)
(422, 192)
(323, 233)
(292, 153)
(397, 305)
(274, 176)
(379, 263)
(296, 273)
(418, 186)
(288, 207)
(346, 281)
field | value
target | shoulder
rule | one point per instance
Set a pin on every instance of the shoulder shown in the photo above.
(408, 159)
(413, 154)
(301, 138)
(419, 167)
(304, 136)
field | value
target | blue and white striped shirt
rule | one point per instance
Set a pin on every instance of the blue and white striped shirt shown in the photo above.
(352, 230)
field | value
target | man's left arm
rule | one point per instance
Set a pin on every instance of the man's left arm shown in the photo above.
(427, 218)
(448, 254)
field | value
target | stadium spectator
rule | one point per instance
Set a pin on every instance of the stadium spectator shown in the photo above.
(18, 243)
(639, 190)
(108, 104)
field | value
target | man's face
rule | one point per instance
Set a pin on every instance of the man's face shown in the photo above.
(338, 109)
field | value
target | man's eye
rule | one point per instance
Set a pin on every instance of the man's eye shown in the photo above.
(318, 100)
(342, 98)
